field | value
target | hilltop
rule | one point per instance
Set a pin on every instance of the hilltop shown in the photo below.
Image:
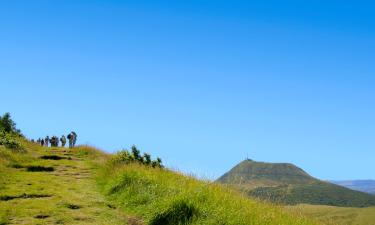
(252, 174)
(40, 185)
(289, 184)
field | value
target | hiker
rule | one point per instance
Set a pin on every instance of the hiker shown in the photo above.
(63, 141)
(54, 141)
(70, 138)
(74, 138)
(46, 141)
(42, 142)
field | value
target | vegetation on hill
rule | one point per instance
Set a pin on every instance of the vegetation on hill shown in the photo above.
(83, 185)
(160, 196)
(249, 172)
(367, 186)
(41, 185)
(333, 215)
(52, 186)
(10, 136)
(288, 184)
(127, 157)
(11, 141)
(317, 193)
(7, 125)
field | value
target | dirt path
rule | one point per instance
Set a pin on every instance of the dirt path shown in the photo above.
(33, 194)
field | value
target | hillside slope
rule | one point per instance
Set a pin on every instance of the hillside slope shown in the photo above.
(367, 186)
(160, 196)
(286, 183)
(337, 215)
(52, 186)
(82, 186)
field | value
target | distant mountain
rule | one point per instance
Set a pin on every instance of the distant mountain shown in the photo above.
(289, 184)
(367, 186)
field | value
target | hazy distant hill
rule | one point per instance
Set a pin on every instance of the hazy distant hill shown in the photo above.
(286, 183)
(367, 186)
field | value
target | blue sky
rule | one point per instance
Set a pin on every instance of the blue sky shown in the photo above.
(203, 84)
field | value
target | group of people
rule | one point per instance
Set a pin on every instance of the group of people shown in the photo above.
(54, 141)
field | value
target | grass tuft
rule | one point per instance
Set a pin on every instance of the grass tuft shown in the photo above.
(180, 212)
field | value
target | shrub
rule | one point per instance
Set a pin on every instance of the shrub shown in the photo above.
(10, 141)
(136, 153)
(124, 156)
(8, 125)
(147, 158)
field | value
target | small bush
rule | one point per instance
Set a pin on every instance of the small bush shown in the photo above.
(8, 125)
(136, 153)
(124, 156)
(10, 141)
(180, 212)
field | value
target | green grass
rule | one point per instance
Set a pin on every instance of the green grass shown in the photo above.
(337, 215)
(85, 187)
(51, 197)
(317, 193)
(160, 196)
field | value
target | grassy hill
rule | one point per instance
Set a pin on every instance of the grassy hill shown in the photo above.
(286, 183)
(40, 185)
(337, 215)
(52, 186)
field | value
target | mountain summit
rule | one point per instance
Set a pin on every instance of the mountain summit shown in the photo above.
(252, 174)
(289, 184)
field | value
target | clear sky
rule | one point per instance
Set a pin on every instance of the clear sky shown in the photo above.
(203, 84)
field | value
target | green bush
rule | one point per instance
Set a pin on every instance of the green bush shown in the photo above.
(7, 125)
(10, 141)
(124, 156)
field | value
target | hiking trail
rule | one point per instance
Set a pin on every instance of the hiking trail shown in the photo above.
(55, 186)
